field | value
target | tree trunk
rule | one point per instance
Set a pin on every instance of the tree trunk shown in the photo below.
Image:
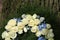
(0, 12)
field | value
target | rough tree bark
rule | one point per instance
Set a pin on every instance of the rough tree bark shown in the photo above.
(0, 11)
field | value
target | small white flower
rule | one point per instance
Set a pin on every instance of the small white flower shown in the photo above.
(34, 29)
(42, 19)
(12, 22)
(23, 16)
(38, 33)
(48, 26)
(25, 29)
(20, 31)
(34, 16)
(50, 30)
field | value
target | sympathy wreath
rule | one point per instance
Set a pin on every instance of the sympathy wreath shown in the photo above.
(34, 23)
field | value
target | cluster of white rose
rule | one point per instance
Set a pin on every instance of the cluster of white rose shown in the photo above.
(32, 21)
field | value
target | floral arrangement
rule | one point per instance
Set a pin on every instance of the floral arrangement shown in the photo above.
(34, 23)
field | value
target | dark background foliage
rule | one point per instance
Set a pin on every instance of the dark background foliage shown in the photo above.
(14, 9)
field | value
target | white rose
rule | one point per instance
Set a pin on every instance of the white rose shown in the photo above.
(44, 31)
(38, 33)
(25, 21)
(28, 17)
(5, 34)
(20, 27)
(50, 35)
(15, 29)
(36, 21)
(31, 23)
(13, 35)
(50, 39)
(25, 29)
(7, 39)
(8, 27)
(12, 22)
